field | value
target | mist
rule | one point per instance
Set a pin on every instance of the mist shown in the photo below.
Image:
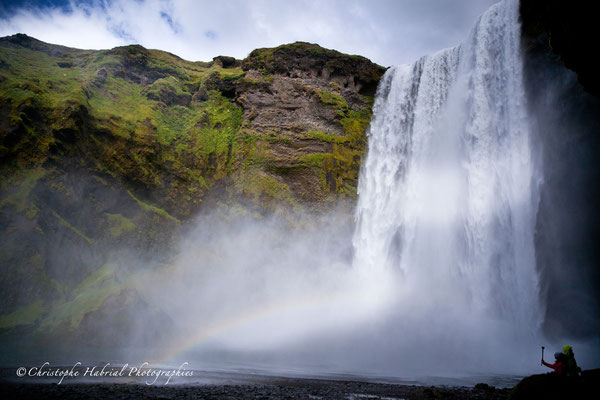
(437, 275)
(267, 295)
(464, 255)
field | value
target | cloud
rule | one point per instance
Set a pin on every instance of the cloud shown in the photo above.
(386, 31)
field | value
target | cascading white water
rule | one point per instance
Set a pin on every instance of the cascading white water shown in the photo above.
(448, 192)
(444, 278)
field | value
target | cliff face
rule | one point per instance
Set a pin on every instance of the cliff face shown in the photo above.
(558, 36)
(105, 153)
(568, 30)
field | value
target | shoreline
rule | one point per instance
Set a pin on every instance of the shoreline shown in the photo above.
(243, 386)
(118, 373)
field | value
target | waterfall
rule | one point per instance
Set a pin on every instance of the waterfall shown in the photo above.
(448, 192)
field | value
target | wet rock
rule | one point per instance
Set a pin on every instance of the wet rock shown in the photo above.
(551, 386)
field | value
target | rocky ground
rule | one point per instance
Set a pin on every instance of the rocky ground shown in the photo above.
(272, 388)
(223, 385)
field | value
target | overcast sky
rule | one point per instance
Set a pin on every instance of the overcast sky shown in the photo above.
(386, 31)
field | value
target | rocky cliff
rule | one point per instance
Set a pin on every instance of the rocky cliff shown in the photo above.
(562, 86)
(568, 30)
(107, 153)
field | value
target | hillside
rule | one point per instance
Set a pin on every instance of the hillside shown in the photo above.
(114, 152)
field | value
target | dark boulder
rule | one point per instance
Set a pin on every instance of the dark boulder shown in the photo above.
(226, 62)
(551, 386)
(227, 87)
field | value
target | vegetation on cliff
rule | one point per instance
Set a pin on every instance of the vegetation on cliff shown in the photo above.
(104, 153)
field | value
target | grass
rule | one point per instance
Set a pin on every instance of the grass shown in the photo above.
(132, 119)
(220, 121)
(264, 58)
(153, 209)
(326, 137)
(333, 100)
(116, 103)
(231, 74)
(199, 141)
(18, 198)
(338, 170)
(196, 140)
(66, 224)
(263, 189)
(26, 315)
(119, 225)
(88, 296)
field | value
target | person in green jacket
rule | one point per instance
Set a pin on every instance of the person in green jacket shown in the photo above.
(571, 365)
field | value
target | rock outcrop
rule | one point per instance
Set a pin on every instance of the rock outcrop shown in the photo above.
(553, 387)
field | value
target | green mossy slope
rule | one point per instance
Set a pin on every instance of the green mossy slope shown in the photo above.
(110, 153)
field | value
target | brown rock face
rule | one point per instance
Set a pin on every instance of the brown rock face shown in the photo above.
(307, 110)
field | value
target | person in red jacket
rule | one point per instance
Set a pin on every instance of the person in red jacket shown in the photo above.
(560, 366)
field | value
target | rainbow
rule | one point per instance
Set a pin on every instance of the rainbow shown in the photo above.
(271, 310)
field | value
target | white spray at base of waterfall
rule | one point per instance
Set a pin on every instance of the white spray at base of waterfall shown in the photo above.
(443, 279)
(448, 193)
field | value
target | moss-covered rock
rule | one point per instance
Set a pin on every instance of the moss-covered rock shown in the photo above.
(299, 58)
(112, 152)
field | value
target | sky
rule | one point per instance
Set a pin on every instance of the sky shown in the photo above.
(388, 32)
